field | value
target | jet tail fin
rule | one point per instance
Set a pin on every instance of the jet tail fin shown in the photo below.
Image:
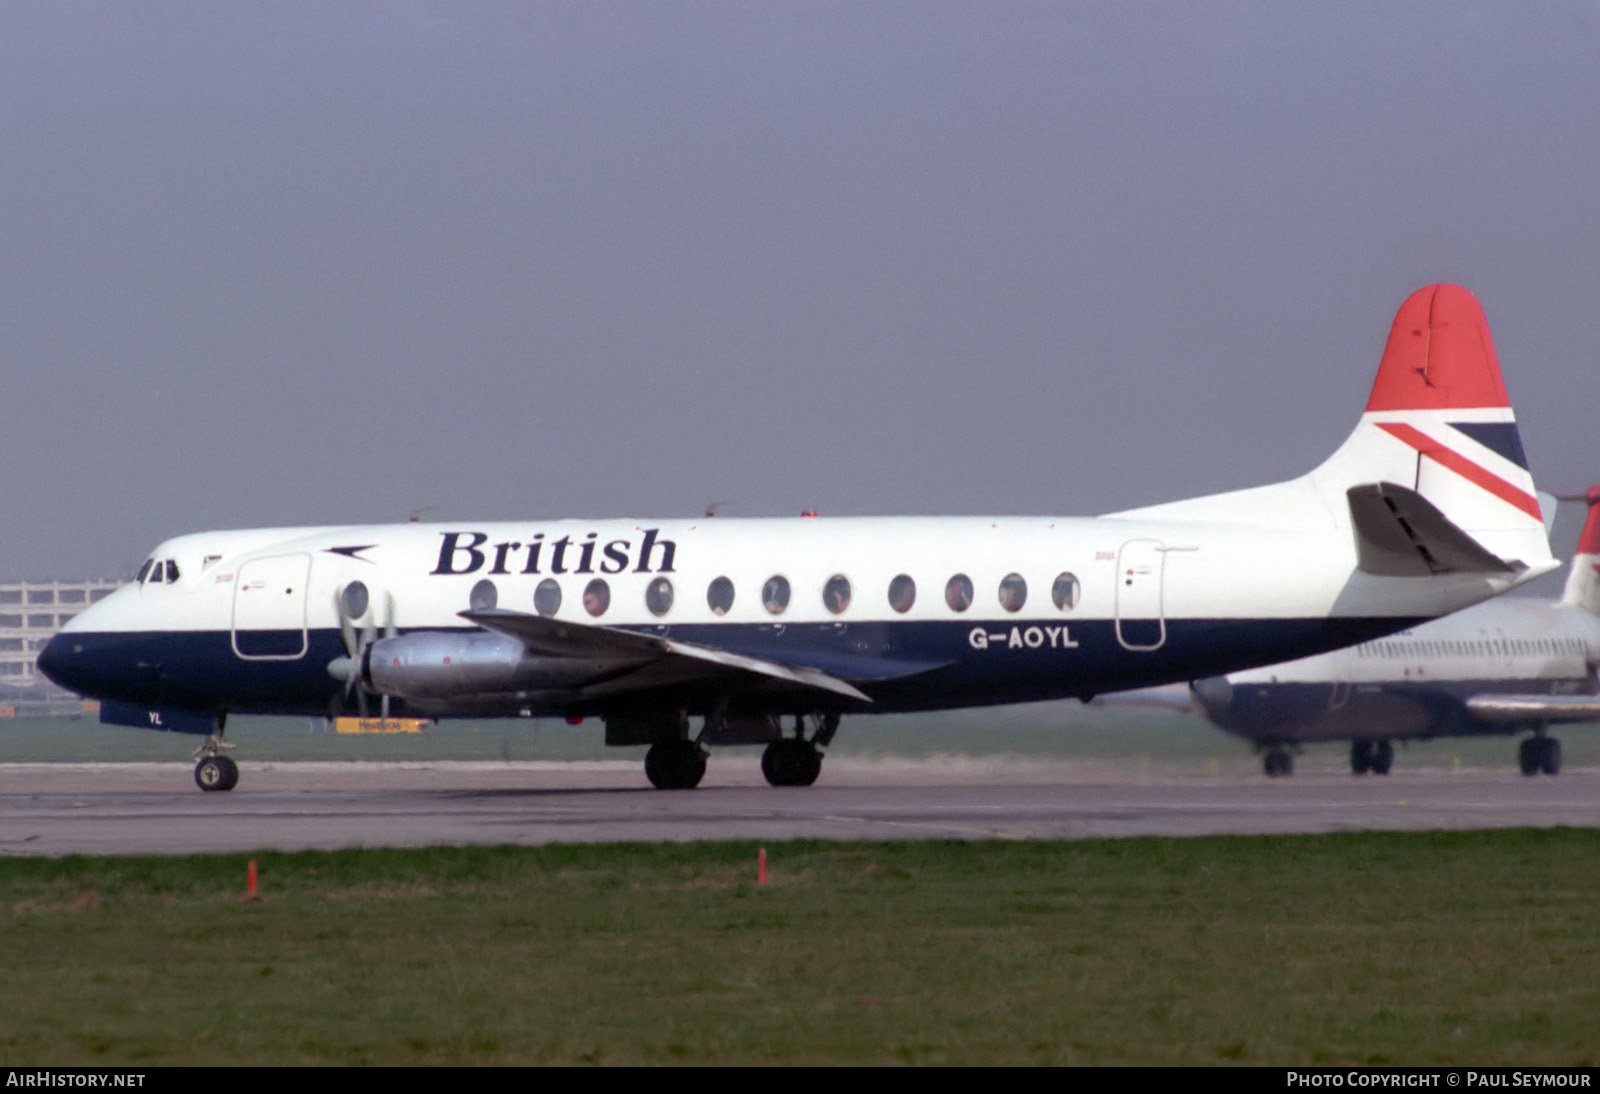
(1583, 582)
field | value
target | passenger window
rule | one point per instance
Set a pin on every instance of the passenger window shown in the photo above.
(720, 596)
(1013, 592)
(775, 594)
(958, 593)
(836, 594)
(596, 597)
(547, 597)
(1065, 592)
(902, 593)
(658, 596)
(483, 596)
(354, 600)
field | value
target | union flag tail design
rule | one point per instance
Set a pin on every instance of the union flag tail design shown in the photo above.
(1583, 583)
(1439, 422)
(1438, 425)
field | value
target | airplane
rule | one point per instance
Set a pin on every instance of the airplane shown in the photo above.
(1426, 508)
(1508, 666)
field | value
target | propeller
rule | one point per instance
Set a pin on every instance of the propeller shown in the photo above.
(353, 604)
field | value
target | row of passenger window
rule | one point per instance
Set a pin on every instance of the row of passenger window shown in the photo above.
(836, 595)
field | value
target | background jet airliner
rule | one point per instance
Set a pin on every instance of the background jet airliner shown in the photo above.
(1426, 508)
(1512, 665)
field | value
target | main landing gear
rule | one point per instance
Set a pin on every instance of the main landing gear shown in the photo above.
(675, 763)
(1373, 756)
(793, 761)
(1539, 753)
(215, 771)
(797, 761)
(1277, 762)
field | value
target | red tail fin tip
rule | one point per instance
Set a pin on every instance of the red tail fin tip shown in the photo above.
(1439, 355)
(1589, 541)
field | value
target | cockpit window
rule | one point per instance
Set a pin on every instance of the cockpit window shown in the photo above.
(144, 570)
(158, 572)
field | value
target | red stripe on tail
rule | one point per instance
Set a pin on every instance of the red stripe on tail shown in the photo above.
(1464, 467)
(1589, 542)
(1439, 356)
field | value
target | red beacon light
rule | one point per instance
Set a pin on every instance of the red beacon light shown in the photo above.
(808, 513)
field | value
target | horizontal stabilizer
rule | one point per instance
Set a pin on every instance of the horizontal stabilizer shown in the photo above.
(1399, 533)
(560, 638)
(1534, 708)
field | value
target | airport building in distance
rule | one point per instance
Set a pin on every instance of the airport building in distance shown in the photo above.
(30, 614)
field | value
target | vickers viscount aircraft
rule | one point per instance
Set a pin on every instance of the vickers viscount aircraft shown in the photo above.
(743, 625)
(1510, 666)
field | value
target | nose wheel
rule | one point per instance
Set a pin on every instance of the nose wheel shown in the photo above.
(216, 773)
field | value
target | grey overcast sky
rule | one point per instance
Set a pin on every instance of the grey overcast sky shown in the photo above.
(282, 263)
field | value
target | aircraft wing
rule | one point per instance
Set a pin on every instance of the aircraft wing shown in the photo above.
(1535, 708)
(664, 660)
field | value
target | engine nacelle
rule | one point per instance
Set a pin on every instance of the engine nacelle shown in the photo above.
(441, 664)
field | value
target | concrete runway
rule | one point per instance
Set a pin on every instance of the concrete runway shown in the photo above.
(124, 809)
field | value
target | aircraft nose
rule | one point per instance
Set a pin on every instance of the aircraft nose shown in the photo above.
(1214, 693)
(55, 661)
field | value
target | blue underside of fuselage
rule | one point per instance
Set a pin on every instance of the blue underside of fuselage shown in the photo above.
(1020, 662)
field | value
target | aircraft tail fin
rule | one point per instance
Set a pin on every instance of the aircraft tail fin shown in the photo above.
(1439, 423)
(1583, 582)
(1438, 428)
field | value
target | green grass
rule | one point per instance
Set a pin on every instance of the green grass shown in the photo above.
(1409, 949)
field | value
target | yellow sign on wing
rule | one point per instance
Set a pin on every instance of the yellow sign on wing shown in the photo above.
(381, 725)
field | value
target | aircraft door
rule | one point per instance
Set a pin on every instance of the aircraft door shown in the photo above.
(1140, 624)
(269, 608)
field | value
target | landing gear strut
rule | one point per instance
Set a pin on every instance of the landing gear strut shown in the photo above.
(215, 771)
(1374, 756)
(1540, 753)
(796, 761)
(1277, 762)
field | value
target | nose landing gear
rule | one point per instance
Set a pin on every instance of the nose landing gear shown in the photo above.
(215, 771)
